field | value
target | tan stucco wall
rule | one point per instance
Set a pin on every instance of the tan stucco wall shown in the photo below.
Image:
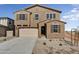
(9, 33)
(22, 22)
(42, 15)
(55, 35)
(30, 18)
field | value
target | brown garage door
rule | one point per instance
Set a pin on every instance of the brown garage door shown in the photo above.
(28, 32)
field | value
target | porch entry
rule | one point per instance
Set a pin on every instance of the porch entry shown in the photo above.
(43, 30)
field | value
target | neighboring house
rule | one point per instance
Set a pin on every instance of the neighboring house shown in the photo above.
(3, 30)
(46, 20)
(8, 22)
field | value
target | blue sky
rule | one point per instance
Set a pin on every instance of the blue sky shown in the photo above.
(70, 12)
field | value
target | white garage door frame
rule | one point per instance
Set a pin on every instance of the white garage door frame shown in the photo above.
(28, 32)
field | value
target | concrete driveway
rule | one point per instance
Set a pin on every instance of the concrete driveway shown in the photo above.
(21, 45)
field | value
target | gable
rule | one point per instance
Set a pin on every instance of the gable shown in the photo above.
(39, 6)
(56, 21)
(48, 21)
(42, 7)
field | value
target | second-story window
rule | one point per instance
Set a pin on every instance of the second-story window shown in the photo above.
(22, 16)
(50, 16)
(54, 15)
(36, 16)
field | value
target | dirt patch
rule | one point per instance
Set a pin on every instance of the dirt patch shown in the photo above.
(55, 46)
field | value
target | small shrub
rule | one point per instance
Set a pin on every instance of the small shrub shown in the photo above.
(4, 39)
(50, 40)
(60, 44)
(44, 43)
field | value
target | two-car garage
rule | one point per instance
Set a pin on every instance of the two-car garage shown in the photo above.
(28, 32)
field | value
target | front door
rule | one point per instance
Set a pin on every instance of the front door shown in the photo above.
(43, 30)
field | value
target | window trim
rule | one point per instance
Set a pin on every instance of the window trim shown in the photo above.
(54, 15)
(36, 18)
(55, 28)
(48, 16)
(21, 16)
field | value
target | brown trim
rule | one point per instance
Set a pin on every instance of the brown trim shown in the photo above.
(28, 27)
(56, 20)
(18, 25)
(51, 21)
(38, 30)
(25, 25)
(21, 10)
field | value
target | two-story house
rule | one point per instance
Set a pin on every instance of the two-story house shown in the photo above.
(8, 22)
(46, 20)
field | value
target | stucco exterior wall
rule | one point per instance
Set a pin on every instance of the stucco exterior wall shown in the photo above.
(4, 22)
(55, 35)
(21, 22)
(42, 15)
(30, 18)
(9, 33)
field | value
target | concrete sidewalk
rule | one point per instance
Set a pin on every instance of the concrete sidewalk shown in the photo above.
(18, 46)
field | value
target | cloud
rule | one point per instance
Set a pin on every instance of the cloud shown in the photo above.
(72, 14)
(71, 17)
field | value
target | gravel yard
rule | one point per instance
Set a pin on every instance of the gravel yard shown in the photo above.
(55, 46)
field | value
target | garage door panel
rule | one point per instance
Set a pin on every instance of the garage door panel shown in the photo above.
(28, 32)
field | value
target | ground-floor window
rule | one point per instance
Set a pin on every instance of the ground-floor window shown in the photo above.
(55, 28)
